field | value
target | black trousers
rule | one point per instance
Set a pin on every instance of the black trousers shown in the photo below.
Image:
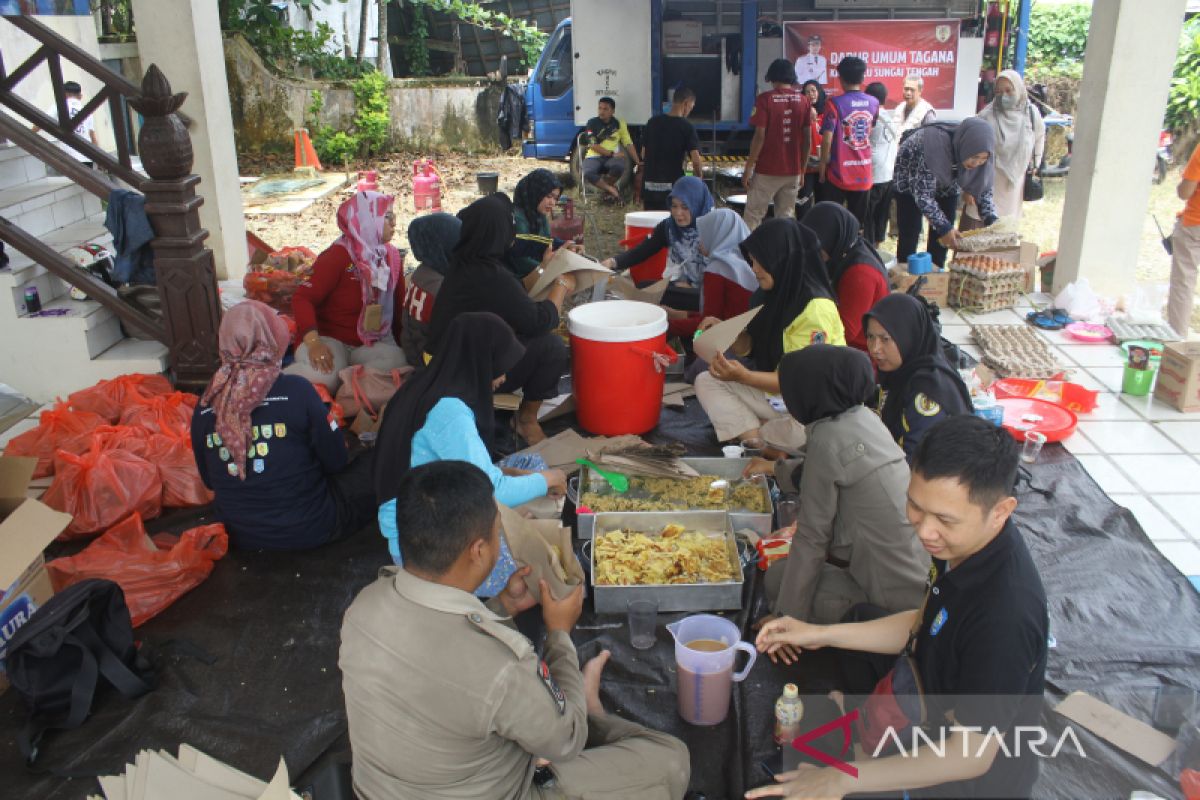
(879, 207)
(861, 671)
(911, 220)
(656, 201)
(855, 202)
(538, 372)
(353, 493)
(808, 189)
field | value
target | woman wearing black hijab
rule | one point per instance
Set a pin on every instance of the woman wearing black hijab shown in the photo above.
(445, 413)
(432, 238)
(918, 385)
(855, 268)
(934, 165)
(533, 201)
(798, 309)
(808, 188)
(853, 508)
(479, 280)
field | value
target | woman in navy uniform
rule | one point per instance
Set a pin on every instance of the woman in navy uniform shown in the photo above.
(918, 386)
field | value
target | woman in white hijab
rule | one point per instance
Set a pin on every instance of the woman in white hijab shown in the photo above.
(1020, 140)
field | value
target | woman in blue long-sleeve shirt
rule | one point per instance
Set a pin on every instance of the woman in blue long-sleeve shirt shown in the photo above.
(445, 414)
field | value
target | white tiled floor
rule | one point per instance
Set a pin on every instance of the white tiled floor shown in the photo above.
(1143, 453)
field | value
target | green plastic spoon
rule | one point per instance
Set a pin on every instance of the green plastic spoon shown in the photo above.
(616, 480)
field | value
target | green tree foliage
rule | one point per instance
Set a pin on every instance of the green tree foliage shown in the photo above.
(1183, 104)
(1058, 35)
(369, 132)
(415, 51)
(528, 37)
(284, 47)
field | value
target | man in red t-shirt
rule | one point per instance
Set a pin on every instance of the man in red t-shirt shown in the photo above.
(779, 150)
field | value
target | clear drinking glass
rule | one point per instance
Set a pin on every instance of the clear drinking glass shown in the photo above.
(643, 623)
(1033, 446)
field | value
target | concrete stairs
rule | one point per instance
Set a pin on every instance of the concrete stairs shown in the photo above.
(51, 356)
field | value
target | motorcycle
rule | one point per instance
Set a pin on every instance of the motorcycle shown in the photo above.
(1054, 119)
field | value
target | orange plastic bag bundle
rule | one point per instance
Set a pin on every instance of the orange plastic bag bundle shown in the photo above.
(110, 398)
(110, 437)
(152, 573)
(336, 413)
(177, 470)
(57, 426)
(171, 413)
(100, 487)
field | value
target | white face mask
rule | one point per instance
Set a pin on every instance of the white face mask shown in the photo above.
(1007, 101)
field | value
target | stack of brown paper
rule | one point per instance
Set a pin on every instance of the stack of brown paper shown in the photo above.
(720, 337)
(544, 545)
(675, 393)
(625, 287)
(561, 450)
(587, 273)
(192, 776)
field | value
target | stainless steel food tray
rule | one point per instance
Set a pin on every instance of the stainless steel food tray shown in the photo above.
(728, 468)
(670, 597)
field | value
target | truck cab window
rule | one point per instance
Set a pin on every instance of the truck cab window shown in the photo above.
(557, 70)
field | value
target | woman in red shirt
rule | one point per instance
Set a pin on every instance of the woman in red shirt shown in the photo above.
(348, 313)
(855, 268)
(808, 188)
(728, 278)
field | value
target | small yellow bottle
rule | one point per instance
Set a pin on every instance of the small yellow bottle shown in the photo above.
(789, 710)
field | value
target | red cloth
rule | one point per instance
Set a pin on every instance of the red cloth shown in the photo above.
(783, 114)
(860, 288)
(331, 301)
(722, 299)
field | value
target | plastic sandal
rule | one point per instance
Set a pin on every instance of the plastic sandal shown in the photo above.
(1045, 320)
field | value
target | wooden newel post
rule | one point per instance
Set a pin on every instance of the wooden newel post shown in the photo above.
(186, 273)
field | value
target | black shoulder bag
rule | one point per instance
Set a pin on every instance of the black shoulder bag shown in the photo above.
(1033, 184)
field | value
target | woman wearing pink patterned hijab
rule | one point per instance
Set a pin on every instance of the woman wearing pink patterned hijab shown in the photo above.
(348, 313)
(266, 446)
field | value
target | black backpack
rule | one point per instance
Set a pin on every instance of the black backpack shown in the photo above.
(74, 645)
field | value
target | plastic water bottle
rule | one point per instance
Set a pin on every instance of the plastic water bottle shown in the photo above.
(789, 710)
(33, 302)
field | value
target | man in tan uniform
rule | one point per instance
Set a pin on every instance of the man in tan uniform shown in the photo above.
(446, 699)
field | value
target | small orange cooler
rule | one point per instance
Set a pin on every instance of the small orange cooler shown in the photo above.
(618, 387)
(638, 227)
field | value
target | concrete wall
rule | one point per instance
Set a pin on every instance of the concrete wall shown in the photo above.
(36, 88)
(458, 113)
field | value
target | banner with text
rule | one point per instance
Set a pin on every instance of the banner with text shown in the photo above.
(893, 49)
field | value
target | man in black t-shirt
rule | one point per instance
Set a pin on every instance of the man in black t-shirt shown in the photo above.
(666, 141)
(979, 641)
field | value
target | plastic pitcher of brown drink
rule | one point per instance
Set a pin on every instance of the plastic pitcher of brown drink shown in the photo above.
(706, 647)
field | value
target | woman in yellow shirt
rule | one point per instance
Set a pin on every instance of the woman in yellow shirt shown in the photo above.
(799, 308)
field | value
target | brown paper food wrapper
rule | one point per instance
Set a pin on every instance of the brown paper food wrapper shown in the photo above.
(546, 546)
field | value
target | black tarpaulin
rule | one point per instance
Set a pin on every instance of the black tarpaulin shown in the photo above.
(1123, 619)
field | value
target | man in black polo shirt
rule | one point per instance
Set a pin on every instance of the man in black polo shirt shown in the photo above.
(666, 141)
(980, 646)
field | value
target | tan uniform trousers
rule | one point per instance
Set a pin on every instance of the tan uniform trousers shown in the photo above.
(765, 189)
(622, 761)
(1185, 240)
(735, 408)
(384, 355)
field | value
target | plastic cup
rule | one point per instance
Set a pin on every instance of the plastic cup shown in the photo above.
(1033, 446)
(732, 450)
(643, 623)
(786, 511)
(752, 448)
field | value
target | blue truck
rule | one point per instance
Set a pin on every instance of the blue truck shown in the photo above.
(636, 51)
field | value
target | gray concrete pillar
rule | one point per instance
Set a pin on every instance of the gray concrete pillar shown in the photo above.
(183, 37)
(1126, 76)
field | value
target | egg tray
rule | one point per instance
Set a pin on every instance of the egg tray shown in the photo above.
(976, 241)
(1015, 351)
(992, 293)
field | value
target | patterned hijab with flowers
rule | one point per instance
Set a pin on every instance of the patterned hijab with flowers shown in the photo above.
(361, 220)
(252, 341)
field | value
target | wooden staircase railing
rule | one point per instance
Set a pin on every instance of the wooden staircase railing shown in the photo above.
(184, 267)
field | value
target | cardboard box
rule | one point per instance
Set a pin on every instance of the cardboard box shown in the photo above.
(1179, 376)
(682, 36)
(1025, 254)
(936, 288)
(26, 527)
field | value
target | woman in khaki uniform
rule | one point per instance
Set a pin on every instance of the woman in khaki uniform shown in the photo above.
(853, 541)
